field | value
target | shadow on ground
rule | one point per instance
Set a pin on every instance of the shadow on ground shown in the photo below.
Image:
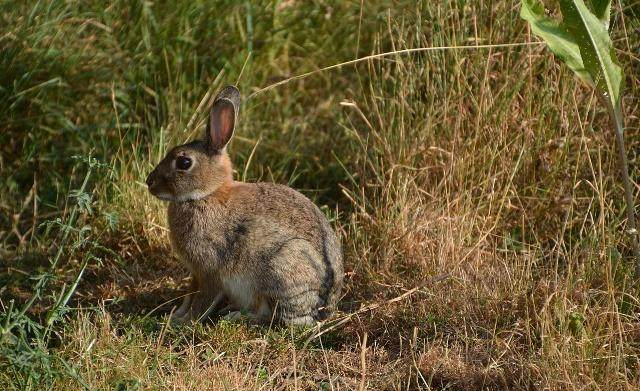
(137, 283)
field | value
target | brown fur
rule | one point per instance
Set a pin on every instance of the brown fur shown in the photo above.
(262, 246)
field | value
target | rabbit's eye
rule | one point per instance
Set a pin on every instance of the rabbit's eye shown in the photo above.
(183, 163)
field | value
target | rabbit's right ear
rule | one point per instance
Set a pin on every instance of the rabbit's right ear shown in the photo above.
(222, 118)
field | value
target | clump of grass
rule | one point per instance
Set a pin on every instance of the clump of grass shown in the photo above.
(473, 199)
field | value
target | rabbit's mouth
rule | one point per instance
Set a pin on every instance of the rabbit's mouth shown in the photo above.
(164, 196)
(188, 196)
(159, 193)
(158, 188)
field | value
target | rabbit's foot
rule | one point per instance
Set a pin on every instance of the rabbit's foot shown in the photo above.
(201, 306)
(177, 319)
(183, 309)
(225, 310)
(234, 316)
(237, 316)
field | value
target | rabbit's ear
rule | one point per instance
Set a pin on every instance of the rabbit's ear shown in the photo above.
(222, 118)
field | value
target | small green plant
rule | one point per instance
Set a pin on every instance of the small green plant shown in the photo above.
(582, 41)
(25, 342)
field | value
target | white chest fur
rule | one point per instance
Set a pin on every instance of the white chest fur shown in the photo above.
(240, 291)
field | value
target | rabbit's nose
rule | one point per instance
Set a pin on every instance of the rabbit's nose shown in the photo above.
(150, 179)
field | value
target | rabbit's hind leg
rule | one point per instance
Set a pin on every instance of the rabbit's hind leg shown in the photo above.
(298, 283)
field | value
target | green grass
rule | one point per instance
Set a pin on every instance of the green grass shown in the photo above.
(494, 167)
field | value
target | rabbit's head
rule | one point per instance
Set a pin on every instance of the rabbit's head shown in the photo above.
(199, 168)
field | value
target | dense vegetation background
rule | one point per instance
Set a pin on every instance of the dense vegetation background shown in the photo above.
(475, 191)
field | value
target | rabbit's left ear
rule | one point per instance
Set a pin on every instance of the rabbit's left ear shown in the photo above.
(222, 118)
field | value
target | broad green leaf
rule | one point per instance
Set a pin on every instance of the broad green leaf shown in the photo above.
(557, 37)
(596, 48)
(602, 10)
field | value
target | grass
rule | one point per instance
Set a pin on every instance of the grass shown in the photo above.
(475, 191)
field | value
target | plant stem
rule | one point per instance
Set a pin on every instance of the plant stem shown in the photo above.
(616, 116)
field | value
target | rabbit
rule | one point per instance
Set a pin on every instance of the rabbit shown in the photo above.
(262, 247)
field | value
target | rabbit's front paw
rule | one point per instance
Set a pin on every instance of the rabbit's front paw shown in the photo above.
(182, 310)
(234, 316)
(178, 319)
(198, 308)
